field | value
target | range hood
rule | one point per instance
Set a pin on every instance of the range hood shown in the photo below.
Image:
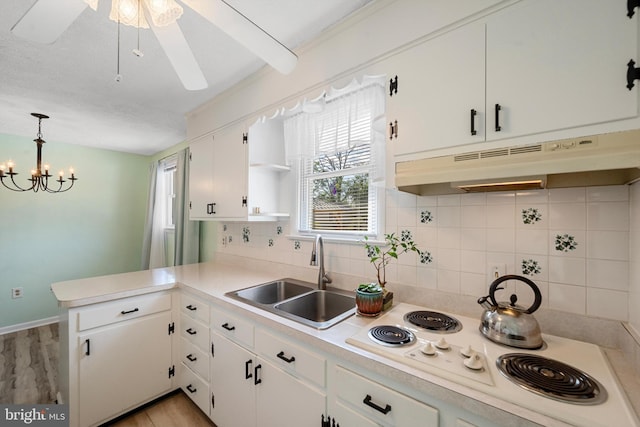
(606, 159)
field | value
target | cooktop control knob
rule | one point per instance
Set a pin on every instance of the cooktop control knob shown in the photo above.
(442, 344)
(428, 349)
(467, 351)
(474, 362)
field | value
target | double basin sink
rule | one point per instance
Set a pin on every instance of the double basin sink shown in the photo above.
(299, 301)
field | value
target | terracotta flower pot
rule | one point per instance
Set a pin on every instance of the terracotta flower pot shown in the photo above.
(369, 304)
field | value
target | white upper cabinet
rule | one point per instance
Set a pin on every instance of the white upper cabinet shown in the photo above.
(440, 86)
(535, 66)
(238, 175)
(555, 65)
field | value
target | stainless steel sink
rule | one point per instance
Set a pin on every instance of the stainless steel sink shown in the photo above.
(319, 308)
(273, 292)
(299, 301)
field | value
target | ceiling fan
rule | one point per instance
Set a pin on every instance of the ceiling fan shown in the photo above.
(46, 20)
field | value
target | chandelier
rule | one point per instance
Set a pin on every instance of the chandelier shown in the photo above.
(39, 179)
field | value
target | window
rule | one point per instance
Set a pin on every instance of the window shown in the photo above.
(340, 161)
(168, 192)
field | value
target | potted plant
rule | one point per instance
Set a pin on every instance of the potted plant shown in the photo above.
(381, 255)
(369, 299)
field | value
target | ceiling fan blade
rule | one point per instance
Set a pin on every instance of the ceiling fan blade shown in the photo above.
(177, 49)
(246, 32)
(46, 20)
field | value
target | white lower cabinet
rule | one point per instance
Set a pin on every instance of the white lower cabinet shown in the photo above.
(357, 398)
(248, 390)
(115, 356)
(194, 350)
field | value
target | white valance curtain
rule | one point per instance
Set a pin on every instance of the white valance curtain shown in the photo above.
(329, 124)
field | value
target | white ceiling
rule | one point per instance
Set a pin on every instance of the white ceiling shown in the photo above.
(73, 79)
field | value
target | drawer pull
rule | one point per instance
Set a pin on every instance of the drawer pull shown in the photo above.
(191, 331)
(228, 328)
(367, 401)
(191, 389)
(191, 357)
(247, 370)
(191, 307)
(130, 311)
(281, 356)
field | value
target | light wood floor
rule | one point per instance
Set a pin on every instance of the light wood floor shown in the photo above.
(176, 410)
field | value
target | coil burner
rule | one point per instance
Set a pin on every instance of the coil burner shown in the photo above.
(391, 336)
(551, 378)
(433, 321)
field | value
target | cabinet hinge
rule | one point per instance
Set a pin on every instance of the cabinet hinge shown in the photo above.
(393, 86)
(172, 371)
(213, 401)
(212, 351)
(244, 201)
(189, 205)
(190, 157)
(171, 328)
(245, 138)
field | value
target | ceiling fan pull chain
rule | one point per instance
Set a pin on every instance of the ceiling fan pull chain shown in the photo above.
(118, 75)
(137, 52)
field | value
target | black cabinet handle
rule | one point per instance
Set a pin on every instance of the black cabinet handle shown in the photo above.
(393, 129)
(88, 351)
(367, 401)
(247, 370)
(228, 328)
(498, 108)
(191, 357)
(473, 121)
(130, 311)
(191, 307)
(191, 389)
(393, 86)
(256, 379)
(281, 356)
(210, 207)
(191, 331)
(631, 5)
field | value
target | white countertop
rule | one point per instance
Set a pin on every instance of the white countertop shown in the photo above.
(212, 280)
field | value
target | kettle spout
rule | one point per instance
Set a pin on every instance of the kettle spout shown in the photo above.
(484, 302)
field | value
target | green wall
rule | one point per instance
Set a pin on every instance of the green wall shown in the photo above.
(94, 229)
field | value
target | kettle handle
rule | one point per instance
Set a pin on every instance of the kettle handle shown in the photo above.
(536, 291)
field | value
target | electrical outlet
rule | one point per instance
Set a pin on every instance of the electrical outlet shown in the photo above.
(17, 292)
(497, 270)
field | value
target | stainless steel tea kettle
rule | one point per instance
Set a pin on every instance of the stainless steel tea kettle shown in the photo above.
(509, 323)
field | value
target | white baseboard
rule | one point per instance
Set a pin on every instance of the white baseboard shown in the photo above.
(28, 325)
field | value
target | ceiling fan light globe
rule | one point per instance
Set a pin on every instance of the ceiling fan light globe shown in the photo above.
(126, 12)
(163, 12)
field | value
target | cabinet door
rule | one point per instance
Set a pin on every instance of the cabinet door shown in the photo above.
(439, 83)
(122, 366)
(285, 401)
(559, 64)
(233, 393)
(229, 173)
(201, 177)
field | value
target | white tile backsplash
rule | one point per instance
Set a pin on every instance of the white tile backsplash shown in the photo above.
(574, 243)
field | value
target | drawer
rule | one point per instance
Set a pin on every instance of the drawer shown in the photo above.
(194, 307)
(378, 402)
(232, 327)
(293, 358)
(194, 332)
(122, 309)
(194, 358)
(196, 388)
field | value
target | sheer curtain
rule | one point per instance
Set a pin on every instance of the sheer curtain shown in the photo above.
(186, 241)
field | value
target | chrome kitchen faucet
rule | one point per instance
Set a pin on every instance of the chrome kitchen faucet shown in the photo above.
(318, 252)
